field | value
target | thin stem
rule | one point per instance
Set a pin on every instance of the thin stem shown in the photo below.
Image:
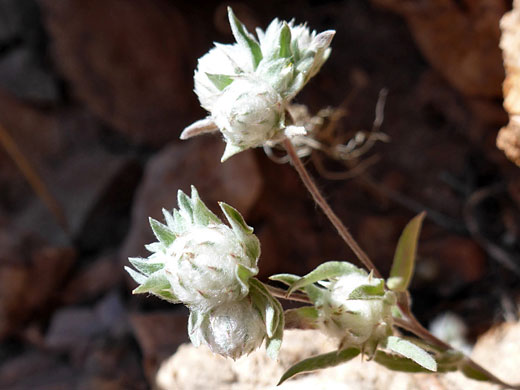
(279, 293)
(333, 218)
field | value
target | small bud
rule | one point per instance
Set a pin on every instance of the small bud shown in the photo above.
(356, 310)
(231, 330)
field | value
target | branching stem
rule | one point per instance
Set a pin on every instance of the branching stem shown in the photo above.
(409, 322)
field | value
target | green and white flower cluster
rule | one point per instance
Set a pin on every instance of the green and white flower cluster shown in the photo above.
(208, 266)
(246, 86)
(349, 304)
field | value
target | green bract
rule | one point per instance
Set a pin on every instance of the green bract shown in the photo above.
(198, 260)
(246, 86)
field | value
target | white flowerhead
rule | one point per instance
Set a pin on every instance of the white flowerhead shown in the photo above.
(201, 266)
(198, 260)
(355, 309)
(231, 330)
(247, 86)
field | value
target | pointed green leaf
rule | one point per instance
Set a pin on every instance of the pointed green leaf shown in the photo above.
(411, 351)
(155, 247)
(180, 223)
(145, 266)
(287, 279)
(201, 213)
(244, 38)
(267, 306)
(404, 258)
(162, 232)
(137, 276)
(325, 271)
(274, 343)
(244, 275)
(242, 231)
(168, 217)
(369, 291)
(153, 284)
(285, 41)
(301, 318)
(319, 362)
(158, 285)
(397, 363)
(220, 81)
(185, 206)
(235, 219)
(272, 313)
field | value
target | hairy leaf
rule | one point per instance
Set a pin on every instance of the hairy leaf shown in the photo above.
(145, 266)
(405, 253)
(244, 38)
(411, 351)
(325, 271)
(330, 359)
(163, 233)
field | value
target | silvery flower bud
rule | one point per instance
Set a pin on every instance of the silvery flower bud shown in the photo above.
(201, 266)
(198, 260)
(248, 113)
(349, 312)
(247, 86)
(231, 330)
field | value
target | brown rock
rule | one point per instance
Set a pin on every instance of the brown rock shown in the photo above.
(127, 61)
(459, 41)
(159, 334)
(197, 368)
(93, 280)
(508, 138)
(28, 284)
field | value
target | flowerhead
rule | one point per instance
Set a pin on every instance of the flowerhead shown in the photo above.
(246, 86)
(356, 309)
(198, 260)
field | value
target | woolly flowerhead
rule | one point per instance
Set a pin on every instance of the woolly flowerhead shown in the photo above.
(247, 86)
(356, 309)
(198, 260)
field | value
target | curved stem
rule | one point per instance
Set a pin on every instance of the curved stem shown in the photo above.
(333, 218)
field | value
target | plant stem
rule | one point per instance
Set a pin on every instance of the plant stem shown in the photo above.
(320, 201)
(279, 293)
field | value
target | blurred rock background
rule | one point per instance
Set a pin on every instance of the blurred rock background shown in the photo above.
(93, 97)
